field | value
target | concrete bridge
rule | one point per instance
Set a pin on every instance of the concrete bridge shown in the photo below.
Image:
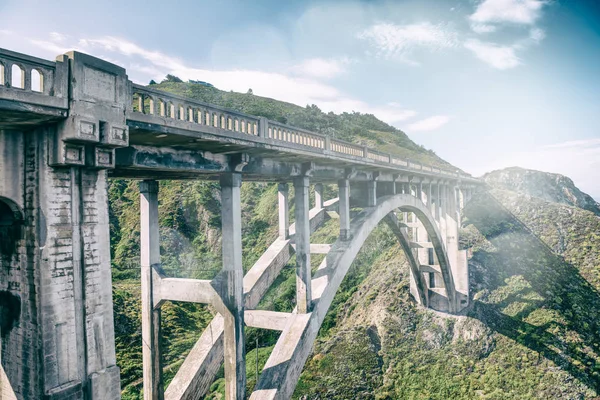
(66, 126)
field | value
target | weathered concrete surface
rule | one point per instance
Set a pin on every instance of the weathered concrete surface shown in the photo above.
(60, 273)
(233, 296)
(150, 259)
(302, 242)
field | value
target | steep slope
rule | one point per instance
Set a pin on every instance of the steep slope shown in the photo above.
(551, 187)
(532, 331)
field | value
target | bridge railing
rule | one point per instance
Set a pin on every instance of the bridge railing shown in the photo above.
(33, 80)
(171, 107)
(378, 156)
(346, 148)
(290, 134)
(166, 108)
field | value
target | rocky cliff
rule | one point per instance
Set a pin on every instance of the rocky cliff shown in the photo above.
(546, 186)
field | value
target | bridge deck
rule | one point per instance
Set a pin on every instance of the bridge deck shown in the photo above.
(176, 137)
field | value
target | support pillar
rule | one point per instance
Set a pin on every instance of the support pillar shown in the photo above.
(302, 239)
(319, 196)
(371, 193)
(233, 273)
(150, 258)
(284, 211)
(344, 208)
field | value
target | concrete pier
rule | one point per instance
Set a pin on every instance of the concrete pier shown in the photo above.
(302, 241)
(150, 259)
(233, 297)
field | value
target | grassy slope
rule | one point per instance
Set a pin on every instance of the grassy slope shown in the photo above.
(532, 332)
(519, 341)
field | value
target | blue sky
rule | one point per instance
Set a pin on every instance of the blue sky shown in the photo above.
(486, 84)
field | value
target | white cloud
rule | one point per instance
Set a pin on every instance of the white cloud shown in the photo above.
(483, 28)
(58, 37)
(499, 57)
(525, 12)
(321, 68)
(429, 124)
(399, 40)
(143, 64)
(583, 146)
(536, 35)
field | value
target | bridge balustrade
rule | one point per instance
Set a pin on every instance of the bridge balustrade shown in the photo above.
(378, 156)
(342, 147)
(33, 80)
(285, 133)
(171, 107)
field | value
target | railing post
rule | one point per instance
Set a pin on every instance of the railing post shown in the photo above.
(365, 152)
(327, 142)
(344, 208)
(233, 273)
(302, 240)
(150, 258)
(284, 212)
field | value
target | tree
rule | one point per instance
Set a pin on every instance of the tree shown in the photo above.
(172, 78)
(152, 82)
(249, 91)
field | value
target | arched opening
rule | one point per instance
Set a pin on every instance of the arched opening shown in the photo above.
(17, 77)
(11, 222)
(37, 81)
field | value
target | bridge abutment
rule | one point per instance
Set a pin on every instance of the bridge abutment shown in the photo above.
(61, 340)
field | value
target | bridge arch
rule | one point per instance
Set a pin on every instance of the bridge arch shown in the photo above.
(11, 222)
(284, 366)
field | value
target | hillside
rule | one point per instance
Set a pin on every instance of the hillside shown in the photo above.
(531, 333)
(546, 186)
(527, 335)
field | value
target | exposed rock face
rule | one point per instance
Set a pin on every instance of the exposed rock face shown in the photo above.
(547, 186)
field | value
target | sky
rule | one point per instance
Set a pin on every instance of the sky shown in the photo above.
(486, 84)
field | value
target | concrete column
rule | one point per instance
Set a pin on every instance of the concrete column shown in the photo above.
(437, 203)
(284, 212)
(443, 212)
(344, 208)
(233, 272)
(302, 239)
(430, 200)
(421, 234)
(371, 193)
(150, 257)
(319, 196)
(405, 190)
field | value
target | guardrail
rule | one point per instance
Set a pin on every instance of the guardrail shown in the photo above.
(166, 106)
(161, 104)
(33, 80)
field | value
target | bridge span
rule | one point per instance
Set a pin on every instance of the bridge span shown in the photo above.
(66, 126)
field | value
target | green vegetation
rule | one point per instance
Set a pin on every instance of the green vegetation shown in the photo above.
(532, 331)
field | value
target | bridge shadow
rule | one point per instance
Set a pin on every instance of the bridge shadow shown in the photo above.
(533, 295)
